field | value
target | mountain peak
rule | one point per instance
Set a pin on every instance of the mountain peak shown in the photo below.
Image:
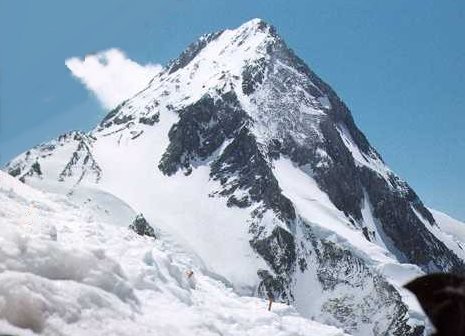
(239, 141)
(244, 42)
(256, 24)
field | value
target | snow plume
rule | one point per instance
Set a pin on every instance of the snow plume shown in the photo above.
(111, 75)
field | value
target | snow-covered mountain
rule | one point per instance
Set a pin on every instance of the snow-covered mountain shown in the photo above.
(247, 159)
(71, 266)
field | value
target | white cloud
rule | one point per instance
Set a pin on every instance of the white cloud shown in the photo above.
(111, 76)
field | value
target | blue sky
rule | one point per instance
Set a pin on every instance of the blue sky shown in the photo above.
(399, 65)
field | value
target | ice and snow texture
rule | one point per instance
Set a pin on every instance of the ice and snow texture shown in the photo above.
(66, 269)
(315, 207)
(450, 226)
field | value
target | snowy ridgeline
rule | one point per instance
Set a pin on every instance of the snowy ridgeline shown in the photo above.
(70, 266)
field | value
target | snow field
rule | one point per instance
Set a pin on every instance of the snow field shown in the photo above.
(69, 270)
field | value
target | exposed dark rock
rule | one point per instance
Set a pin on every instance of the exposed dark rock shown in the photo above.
(150, 120)
(82, 162)
(136, 135)
(112, 114)
(16, 171)
(201, 130)
(142, 227)
(366, 233)
(253, 76)
(278, 249)
(122, 119)
(33, 171)
(243, 160)
(394, 210)
(36, 168)
(273, 287)
(115, 118)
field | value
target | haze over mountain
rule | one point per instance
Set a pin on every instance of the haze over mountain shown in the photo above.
(248, 162)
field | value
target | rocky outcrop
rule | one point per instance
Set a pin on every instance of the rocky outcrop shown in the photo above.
(142, 227)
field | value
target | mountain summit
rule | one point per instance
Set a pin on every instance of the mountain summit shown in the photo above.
(252, 162)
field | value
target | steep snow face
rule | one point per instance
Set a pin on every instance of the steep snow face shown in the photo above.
(66, 270)
(181, 205)
(255, 166)
(450, 226)
(342, 267)
(450, 231)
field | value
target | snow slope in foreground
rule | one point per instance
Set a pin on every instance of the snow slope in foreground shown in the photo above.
(73, 268)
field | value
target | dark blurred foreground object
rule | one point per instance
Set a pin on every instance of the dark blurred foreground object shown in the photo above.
(142, 227)
(442, 297)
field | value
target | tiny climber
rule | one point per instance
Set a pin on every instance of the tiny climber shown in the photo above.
(270, 302)
(267, 287)
(190, 279)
